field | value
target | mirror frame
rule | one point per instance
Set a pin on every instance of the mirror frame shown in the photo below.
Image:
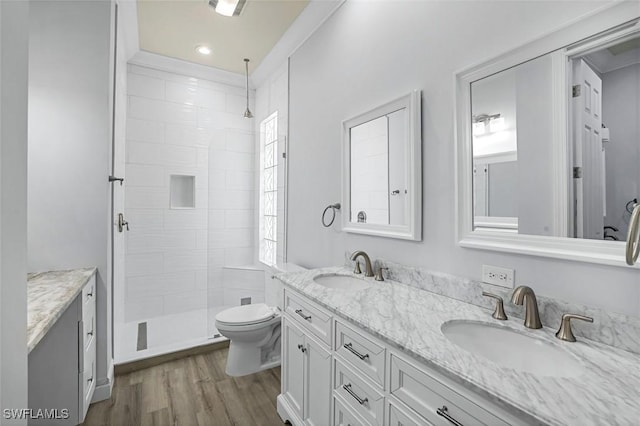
(610, 21)
(413, 229)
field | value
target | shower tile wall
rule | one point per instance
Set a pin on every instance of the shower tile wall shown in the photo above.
(184, 126)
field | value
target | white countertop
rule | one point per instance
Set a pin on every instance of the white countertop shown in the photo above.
(608, 392)
(49, 294)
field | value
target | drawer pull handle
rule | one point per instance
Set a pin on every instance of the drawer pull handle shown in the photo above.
(90, 380)
(299, 312)
(444, 412)
(302, 348)
(90, 294)
(90, 333)
(361, 401)
(349, 347)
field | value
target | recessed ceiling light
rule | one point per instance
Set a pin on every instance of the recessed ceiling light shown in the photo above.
(203, 50)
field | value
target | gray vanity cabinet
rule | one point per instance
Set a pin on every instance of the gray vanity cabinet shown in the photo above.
(62, 365)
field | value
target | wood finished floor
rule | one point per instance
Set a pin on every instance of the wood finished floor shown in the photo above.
(190, 391)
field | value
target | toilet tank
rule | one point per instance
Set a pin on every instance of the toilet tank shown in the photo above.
(273, 287)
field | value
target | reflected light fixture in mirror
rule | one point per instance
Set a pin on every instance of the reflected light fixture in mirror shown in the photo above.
(227, 7)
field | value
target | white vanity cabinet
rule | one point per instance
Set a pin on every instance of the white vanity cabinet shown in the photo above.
(62, 366)
(370, 382)
(306, 364)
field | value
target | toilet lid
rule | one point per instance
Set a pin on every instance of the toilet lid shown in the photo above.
(246, 314)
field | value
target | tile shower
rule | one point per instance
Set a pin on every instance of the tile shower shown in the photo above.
(190, 202)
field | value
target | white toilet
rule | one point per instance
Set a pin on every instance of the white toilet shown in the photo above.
(254, 330)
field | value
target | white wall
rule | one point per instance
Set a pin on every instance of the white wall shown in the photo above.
(178, 124)
(535, 147)
(368, 52)
(14, 37)
(70, 88)
(620, 112)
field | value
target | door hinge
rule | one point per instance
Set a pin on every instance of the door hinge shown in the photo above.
(577, 172)
(284, 155)
(576, 90)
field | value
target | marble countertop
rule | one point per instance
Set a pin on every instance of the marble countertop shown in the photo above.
(410, 319)
(49, 294)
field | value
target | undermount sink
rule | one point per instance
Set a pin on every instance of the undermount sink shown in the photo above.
(343, 282)
(512, 349)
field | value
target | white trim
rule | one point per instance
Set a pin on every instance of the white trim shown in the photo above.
(103, 391)
(128, 11)
(177, 66)
(413, 229)
(306, 24)
(593, 251)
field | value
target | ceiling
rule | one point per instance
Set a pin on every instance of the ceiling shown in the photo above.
(615, 57)
(175, 27)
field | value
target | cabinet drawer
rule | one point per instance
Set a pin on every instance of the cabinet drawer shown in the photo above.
(88, 376)
(89, 293)
(368, 357)
(309, 317)
(88, 326)
(425, 394)
(342, 416)
(359, 395)
(399, 416)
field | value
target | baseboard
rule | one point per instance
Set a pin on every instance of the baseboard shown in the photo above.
(103, 391)
(286, 412)
(161, 359)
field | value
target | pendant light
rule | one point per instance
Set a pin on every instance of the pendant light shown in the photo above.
(247, 113)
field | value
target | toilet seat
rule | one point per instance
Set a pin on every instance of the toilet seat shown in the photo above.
(246, 315)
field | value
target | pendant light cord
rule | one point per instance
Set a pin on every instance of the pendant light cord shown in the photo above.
(247, 113)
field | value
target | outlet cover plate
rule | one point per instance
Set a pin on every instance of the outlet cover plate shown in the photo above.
(498, 276)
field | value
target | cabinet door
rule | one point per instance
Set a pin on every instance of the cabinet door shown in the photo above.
(318, 384)
(293, 365)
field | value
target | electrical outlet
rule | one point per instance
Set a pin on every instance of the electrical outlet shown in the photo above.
(498, 276)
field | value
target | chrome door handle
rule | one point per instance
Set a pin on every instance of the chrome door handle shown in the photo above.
(349, 347)
(444, 412)
(122, 223)
(306, 317)
(116, 179)
(361, 401)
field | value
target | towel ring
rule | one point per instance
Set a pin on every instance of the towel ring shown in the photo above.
(333, 207)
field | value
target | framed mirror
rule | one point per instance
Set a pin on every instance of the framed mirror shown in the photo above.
(548, 142)
(382, 170)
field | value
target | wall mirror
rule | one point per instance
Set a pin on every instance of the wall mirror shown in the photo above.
(382, 170)
(548, 142)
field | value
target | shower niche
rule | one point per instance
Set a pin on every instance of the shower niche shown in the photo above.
(183, 192)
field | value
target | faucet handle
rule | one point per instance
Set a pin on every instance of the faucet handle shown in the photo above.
(498, 313)
(356, 269)
(564, 332)
(379, 276)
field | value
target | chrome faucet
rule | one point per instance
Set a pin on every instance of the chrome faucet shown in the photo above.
(524, 294)
(368, 271)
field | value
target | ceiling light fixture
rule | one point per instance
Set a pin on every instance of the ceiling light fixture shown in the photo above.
(227, 7)
(247, 113)
(204, 50)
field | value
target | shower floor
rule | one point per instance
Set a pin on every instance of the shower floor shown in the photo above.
(166, 334)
